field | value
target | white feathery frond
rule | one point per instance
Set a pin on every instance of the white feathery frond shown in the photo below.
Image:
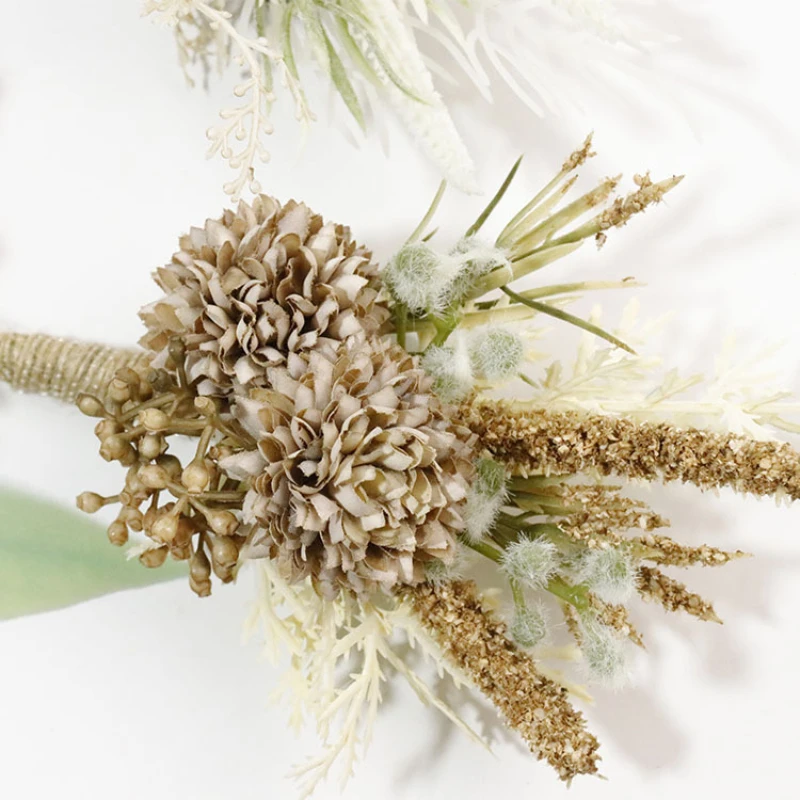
(341, 651)
(741, 396)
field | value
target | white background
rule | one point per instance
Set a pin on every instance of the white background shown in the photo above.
(149, 693)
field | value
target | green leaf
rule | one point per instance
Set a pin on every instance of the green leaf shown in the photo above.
(51, 556)
(484, 215)
(342, 82)
(559, 313)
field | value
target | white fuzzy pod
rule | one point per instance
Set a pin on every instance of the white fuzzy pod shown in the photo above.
(528, 627)
(451, 369)
(530, 562)
(495, 353)
(610, 574)
(605, 653)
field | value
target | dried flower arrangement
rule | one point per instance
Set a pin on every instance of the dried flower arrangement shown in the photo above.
(379, 50)
(347, 444)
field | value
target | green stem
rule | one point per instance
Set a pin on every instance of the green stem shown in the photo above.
(401, 323)
(577, 595)
(484, 549)
(425, 221)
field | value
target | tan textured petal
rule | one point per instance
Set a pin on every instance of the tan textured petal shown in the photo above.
(345, 493)
(257, 285)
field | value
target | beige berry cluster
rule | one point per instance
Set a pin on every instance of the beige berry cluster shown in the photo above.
(189, 512)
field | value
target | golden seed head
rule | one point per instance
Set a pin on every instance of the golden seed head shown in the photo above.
(154, 420)
(90, 405)
(90, 502)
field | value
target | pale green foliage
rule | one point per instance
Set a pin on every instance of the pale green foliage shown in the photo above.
(52, 556)
(495, 353)
(610, 574)
(530, 562)
(341, 651)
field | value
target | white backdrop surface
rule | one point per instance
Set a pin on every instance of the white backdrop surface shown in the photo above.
(150, 693)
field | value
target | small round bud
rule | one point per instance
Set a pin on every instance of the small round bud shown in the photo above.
(154, 476)
(134, 483)
(154, 558)
(200, 566)
(106, 428)
(150, 516)
(196, 477)
(224, 552)
(129, 457)
(132, 517)
(223, 523)
(180, 552)
(165, 528)
(218, 452)
(206, 406)
(118, 391)
(145, 390)
(154, 420)
(91, 406)
(90, 502)
(118, 533)
(115, 448)
(171, 464)
(151, 446)
(202, 588)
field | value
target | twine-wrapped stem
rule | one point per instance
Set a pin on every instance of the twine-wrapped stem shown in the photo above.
(63, 368)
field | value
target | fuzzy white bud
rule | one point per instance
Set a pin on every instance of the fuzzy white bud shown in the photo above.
(610, 573)
(605, 653)
(528, 626)
(475, 259)
(486, 497)
(495, 353)
(530, 562)
(417, 276)
(450, 369)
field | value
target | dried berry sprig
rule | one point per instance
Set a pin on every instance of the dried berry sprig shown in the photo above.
(188, 511)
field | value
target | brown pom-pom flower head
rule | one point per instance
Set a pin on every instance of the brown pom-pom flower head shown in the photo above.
(359, 477)
(257, 284)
